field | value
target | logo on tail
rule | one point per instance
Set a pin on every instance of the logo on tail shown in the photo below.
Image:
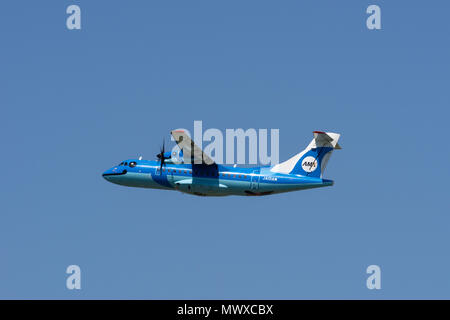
(309, 164)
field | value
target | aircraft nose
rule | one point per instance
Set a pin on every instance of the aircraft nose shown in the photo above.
(112, 172)
(107, 174)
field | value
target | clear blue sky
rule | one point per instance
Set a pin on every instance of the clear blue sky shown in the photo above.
(74, 103)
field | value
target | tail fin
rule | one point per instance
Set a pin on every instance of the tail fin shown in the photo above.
(312, 161)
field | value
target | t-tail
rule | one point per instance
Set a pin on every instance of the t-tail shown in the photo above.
(312, 161)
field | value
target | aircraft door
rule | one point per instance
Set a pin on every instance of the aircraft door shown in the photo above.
(254, 182)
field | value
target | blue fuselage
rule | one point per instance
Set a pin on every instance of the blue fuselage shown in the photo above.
(208, 180)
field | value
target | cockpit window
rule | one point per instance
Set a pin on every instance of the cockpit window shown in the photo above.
(125, 163)
(132, 164)
(120, 163)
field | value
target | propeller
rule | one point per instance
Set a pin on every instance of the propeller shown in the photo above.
(161, 157)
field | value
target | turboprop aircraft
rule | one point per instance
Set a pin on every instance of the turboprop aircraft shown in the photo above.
(194, 172)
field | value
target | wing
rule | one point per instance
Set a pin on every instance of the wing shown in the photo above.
(191, 152)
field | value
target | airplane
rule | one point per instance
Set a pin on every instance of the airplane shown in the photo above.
(192, 171)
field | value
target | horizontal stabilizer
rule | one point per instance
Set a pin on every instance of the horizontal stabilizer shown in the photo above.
(324, 139)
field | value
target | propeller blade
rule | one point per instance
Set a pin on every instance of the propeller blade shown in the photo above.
(161, 156)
